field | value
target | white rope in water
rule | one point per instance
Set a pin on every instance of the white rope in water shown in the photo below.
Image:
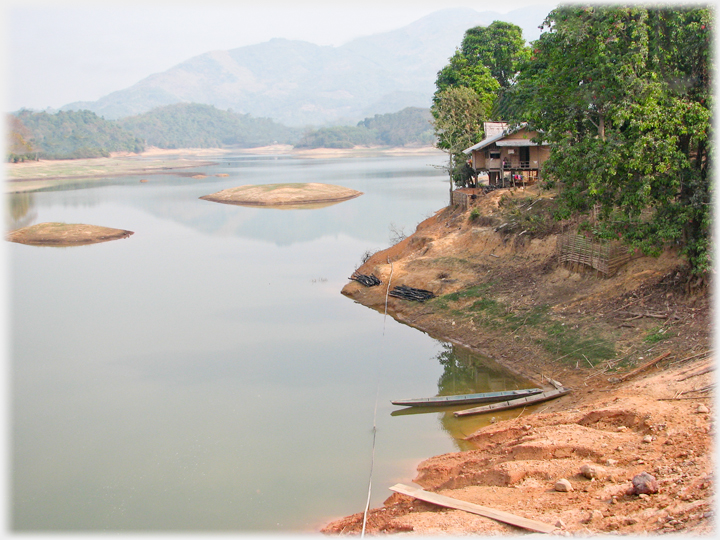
(374, 428)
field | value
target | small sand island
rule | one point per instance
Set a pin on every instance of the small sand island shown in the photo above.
(310, 195)
(65, 234)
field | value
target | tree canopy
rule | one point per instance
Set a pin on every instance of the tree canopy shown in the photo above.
(194, 125)
(73, 134)
(410, 126)
(468, 88)
(623, 96)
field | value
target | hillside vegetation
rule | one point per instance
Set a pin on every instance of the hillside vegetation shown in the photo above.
(623, 98)
(83, 134)
(411, 126)
(192, 125)
(67, 135)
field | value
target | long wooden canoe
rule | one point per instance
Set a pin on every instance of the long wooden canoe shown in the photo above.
(514, 403)
(464, 399)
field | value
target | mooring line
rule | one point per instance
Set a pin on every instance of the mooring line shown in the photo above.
(374, 428)
(387, 293)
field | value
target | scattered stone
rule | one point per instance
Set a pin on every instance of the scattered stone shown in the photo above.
(611, 462)
(702, 409)
(644, 483)
(589, 471)
(647, 439)
(621, 428)
(563, 485)
(560, 524)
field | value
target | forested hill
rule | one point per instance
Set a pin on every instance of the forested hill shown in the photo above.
(67, 135)
(411, 126)
(192, 125)
(83, 134)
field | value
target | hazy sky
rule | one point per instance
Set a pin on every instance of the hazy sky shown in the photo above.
(57, 52)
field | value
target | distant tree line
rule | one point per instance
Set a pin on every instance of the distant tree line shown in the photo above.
(83, 134)
(410, 126)
(193, 125)
(66, 135)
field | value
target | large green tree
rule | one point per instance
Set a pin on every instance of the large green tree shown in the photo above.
(623, 96)
(458, 115)
(485, 63)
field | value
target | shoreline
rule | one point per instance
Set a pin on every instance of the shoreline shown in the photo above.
(623, 417)
(45, 173)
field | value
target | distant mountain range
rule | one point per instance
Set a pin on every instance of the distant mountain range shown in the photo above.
(301, 84)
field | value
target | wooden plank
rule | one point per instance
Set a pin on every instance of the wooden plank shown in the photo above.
(644, 366)
(457, 504)
(515, 403)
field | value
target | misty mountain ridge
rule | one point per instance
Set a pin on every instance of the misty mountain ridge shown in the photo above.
(299, 83)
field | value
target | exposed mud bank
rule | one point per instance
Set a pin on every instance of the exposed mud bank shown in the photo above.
(505, 296)
(65, 234)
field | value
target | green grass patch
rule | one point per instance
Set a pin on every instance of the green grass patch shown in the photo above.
(534, 317)
(659, 334)
(569, 345)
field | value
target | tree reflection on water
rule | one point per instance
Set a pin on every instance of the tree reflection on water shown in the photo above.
(467, 372)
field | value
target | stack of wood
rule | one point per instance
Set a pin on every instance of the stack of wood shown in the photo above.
(368, 281)
(409, 293)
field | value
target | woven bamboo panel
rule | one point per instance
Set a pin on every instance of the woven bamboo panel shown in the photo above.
(461, 199)
(606, 258)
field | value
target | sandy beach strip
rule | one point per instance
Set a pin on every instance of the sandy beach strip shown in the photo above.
(33, 175)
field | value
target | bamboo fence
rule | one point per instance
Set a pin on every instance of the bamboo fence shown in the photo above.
(606, 258)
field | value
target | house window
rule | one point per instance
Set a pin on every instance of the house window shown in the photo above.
(494, 154)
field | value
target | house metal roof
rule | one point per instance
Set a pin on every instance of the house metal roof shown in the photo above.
(516, 142)
(497, 140)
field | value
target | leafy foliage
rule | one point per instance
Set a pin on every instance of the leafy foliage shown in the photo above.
(459, 113)
(406, 127)
(74, 134)
(412, 125)
(623, 96)
(192, 125)
(468, 88)
(337, 137)
(500, 47)
(19, 146)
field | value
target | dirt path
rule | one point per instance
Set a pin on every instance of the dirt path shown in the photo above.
(504, 295)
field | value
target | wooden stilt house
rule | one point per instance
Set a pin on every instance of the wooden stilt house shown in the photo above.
(508, 154)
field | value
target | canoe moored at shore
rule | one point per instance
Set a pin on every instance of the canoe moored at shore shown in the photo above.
(464, 399)
(514, 403)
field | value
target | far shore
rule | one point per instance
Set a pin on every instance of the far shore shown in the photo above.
(34, 175)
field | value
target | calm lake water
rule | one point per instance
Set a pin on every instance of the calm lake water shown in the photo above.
(206, 374)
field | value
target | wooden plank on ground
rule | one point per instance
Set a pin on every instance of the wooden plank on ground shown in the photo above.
(643, 367)
(497, 515)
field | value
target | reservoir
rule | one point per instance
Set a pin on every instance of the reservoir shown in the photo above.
(206, 374)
